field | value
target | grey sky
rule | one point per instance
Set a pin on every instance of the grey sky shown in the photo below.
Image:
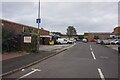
(57, 16)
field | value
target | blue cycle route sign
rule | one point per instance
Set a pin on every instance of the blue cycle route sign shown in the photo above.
(38, 20)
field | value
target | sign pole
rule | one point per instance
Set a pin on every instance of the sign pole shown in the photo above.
(38, 21)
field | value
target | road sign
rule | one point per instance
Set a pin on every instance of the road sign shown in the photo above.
(38, 20)
(27, 39)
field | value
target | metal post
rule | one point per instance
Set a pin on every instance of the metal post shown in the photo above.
(38, 43)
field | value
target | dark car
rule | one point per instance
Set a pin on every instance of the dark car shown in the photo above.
(119, 47)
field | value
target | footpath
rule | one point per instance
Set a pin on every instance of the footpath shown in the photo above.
(15, 62)
(115, 47)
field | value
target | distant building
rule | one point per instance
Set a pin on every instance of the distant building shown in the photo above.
(117, 30)
(91, 36)
(44, 34)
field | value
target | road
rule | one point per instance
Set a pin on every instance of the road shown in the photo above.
(84, 60)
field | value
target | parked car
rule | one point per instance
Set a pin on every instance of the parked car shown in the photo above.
(61, 41)
(116, 42)
(105, 42)
(93, 40)
(64, 41)
(73, 40)
(113, 41)
(69, 41)
(98, 41)
(119, 47)
(84, 40)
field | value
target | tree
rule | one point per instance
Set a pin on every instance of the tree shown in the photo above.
(71, 31)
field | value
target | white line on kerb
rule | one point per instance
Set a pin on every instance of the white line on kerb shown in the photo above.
(34, 70)
(101, 74)
(93, 55)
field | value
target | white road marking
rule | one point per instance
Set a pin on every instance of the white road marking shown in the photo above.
(91, 48)
(34, 70)
(93, 55)
(101, 74)
(23, 70)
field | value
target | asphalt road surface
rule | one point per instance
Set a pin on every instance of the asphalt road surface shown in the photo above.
(84, 60)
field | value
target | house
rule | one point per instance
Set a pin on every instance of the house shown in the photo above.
(44, 34)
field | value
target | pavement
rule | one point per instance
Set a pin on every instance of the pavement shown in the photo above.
(52, 47)
(10, 55)
(83, 61)
(115, 47)
(14, 62)
(42, 48)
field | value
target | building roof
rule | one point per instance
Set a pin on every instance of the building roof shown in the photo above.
(21, 25)
(102, 33)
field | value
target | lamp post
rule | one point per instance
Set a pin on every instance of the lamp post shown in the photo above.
(38, 20)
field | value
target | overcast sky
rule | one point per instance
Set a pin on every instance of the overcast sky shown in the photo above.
(57, 16)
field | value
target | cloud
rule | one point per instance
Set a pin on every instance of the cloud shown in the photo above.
(57, 16)
(60, 0)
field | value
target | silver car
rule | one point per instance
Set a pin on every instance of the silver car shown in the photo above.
(98, 41)
(105, 42)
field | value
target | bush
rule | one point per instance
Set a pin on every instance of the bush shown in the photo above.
(13, 41)
(33, 45)
(10, 40)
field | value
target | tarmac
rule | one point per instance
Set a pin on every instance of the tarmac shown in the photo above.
(12, 63)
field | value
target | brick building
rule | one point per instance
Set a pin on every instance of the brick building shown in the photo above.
(117, 30)
(44, 34)
(91, 36)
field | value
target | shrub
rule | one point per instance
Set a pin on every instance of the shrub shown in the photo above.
(10, 40)
(33, 45)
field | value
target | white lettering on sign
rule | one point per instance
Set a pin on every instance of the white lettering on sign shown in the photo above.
(27, 39)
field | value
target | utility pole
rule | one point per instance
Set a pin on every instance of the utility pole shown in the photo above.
(38, 21)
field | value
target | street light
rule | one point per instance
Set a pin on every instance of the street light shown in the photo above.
(38, 20)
